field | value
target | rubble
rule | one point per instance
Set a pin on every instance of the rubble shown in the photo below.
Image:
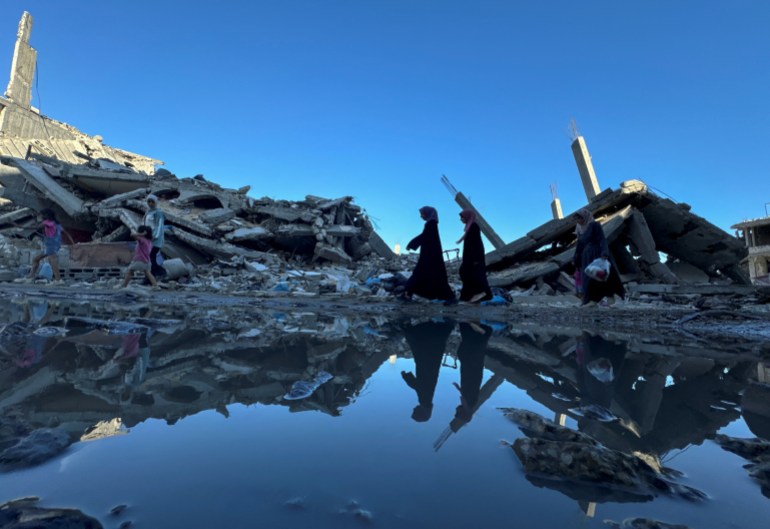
(24, 513)
(639, 225)
(757, 451)
(205, 222)
(574, 463)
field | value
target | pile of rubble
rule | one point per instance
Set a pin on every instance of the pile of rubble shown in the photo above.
(99, 204)
(639, 225)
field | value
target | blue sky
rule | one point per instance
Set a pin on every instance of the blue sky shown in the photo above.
(378, 99)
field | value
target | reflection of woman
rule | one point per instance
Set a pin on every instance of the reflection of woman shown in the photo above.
(471, 355)
(599, 362)
(473, 270)
(429, 279)
(591, 245)
(427, 341)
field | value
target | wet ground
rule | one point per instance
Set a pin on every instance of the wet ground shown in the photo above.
(208, 412)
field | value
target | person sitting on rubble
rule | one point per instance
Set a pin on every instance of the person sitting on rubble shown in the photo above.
(141, 260)
(591, 245)
(156, 220)
(473, 270)
(429, 278)
(52, 231)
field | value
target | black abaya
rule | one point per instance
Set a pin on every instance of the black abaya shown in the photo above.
(429, 278)
(473, 270)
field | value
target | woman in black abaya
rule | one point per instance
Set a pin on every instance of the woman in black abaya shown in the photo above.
(473, 270)
(592, 244)
(429, 279)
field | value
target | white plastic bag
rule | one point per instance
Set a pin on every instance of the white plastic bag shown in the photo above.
(599, 269)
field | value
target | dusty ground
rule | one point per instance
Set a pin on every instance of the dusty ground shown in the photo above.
(725, 323)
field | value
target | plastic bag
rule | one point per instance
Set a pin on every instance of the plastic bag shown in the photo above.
(599, 269)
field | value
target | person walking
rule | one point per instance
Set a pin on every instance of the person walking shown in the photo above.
(141, 260)
(429, 278)
(473, 270)
(156, 220)
(52, 231)
(591, 245)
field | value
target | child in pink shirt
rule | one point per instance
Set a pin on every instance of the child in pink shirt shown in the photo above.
(141, 260)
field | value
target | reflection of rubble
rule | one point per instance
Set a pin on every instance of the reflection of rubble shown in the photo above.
(573, 463)
(178, 367)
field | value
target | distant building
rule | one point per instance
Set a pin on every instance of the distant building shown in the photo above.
(23, 129)
(756, 235)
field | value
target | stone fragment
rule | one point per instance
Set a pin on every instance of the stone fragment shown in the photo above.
(35, 448)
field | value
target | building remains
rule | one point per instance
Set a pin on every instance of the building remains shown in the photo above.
(98, 192)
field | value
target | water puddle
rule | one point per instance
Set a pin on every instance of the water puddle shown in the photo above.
(177, 417)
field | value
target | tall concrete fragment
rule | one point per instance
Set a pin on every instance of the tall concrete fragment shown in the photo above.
(585, 167)
(24, 130)
(644, 243)
(23, 65)
(464, 203)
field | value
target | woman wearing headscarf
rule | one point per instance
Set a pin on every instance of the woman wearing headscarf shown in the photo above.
(429, 279)
(473, 270)
(591, 245)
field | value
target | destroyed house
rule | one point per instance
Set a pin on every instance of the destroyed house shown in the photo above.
(98, 192)
(639, 226)
(756, 235)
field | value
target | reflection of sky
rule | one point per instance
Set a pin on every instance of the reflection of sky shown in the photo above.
(209, 471)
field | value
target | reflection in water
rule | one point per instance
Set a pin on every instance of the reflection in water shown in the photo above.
(427, 341)
(95, 371)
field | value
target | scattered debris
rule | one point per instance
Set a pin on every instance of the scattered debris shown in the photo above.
(577, 465)
(757, 451)
(37, 447)
(643, 523)
(24, 513)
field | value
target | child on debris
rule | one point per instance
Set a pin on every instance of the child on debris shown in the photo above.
(141, 260)
(429, 279)
(473, 270)
(51, 244)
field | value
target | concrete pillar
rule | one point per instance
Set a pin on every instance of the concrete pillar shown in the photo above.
(585, 167)
(23, 66)
(556, 209)
(485, 228)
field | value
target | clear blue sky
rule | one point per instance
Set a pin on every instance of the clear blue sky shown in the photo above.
(378, 98)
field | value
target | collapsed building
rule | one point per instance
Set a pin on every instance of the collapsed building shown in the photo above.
(639, 226)
(97, 193)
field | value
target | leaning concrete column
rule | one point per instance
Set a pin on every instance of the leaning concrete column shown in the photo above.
(585, 167)
(464, 203)
(644, 242)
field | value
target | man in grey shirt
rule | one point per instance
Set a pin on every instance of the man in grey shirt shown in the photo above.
(155, 219)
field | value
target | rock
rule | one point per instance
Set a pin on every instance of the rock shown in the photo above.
(118, 509)
(750, 449)
(755, 450)
(533, 425)
(23, 514)
(643, 523)
(577, 465)
(37, 447)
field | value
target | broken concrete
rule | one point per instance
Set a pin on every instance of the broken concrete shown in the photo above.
(574, 463)
(638, 226)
